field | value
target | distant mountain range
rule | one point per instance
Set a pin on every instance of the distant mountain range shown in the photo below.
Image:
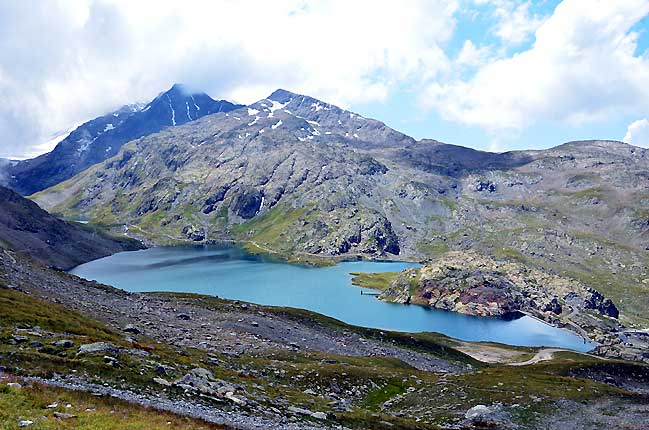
(102, 137)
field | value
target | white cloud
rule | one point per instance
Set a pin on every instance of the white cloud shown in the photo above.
(515, 22)
(471, 55)
(638, 133)
(582, 67)
(64, 62)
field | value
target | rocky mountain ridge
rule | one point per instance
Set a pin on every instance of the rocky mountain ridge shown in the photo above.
(102, 137)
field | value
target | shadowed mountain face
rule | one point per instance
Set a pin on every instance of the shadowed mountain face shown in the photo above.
(296, 176)
(26, 228)
(102, 137)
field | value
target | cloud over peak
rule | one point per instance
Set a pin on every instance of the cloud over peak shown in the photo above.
(63, 62)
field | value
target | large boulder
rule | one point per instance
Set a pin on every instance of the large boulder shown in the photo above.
(202, 381)
(478, 411)
(98, 348)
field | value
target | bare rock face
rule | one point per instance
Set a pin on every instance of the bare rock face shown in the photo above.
(598, 302)
(473, 292)
(247, 203)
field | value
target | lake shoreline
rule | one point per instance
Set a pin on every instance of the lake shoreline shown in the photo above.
(420, 320)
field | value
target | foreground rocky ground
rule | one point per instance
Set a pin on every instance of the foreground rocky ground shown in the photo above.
(246, 366)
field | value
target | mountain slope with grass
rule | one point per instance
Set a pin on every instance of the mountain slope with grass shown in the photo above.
(29, 230)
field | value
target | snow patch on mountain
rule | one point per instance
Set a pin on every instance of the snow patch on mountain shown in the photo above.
(275, 106)
(173, 112)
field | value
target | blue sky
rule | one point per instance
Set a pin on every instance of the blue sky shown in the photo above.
(477, 25)
(400, 113)
(489, 74)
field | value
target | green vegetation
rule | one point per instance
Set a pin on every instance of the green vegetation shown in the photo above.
(449, 203)
(641, 213)
(376, 398)
(152, 220)
(433, 249)
(21, 310)
(510, 253)
(85, 412)
(589, 193)
(270, 229)
(374, 281)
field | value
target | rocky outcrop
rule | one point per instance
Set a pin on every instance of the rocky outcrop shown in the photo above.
(553, 306)
(468, 291)
(475, 284)
(194, 233)
(247, 203)
(217, 196)
(202, 381)
(352, 232)
(601, 304)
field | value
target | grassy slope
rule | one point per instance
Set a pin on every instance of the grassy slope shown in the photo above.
(374, 281)
(90, 412)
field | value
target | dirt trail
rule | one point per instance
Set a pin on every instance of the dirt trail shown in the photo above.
(546, 354)
(543, 355)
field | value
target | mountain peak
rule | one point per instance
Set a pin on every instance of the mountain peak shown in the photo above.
(178, 88)
(182, 90)
(282, 96)
(102, 137)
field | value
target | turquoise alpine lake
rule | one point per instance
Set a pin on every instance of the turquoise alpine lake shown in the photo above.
(231, 273)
